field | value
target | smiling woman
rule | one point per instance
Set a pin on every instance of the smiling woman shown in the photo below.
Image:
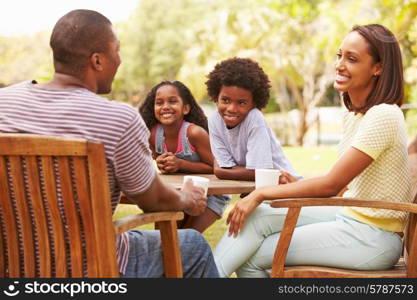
(42, 15)
(368, 69)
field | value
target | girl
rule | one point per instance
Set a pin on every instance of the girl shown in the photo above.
(373, 164)
(179, 141)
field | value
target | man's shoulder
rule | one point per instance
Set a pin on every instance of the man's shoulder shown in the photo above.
(107, 108)
(15, 87)
(118, 105)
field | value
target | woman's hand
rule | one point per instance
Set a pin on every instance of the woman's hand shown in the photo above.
(242, 209)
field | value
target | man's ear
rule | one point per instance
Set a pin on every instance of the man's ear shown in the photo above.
(96, 61)
(186, 109)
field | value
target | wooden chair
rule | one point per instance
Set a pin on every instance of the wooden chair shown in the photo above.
(406, 267)
(42, 236)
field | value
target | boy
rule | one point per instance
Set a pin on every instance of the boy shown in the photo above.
(240, 138)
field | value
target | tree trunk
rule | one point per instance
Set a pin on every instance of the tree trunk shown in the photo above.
(302, 128)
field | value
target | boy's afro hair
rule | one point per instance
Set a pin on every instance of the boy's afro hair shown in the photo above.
(241, 72)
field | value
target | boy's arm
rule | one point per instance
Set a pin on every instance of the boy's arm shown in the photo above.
(221, 154)
(234, 173)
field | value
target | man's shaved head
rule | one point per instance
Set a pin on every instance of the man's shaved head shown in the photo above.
(76, 36)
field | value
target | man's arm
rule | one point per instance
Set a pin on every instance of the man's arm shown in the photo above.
(160, 197)
(138, 180)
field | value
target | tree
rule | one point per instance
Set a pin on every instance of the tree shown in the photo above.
(154, 41)
(25, 57)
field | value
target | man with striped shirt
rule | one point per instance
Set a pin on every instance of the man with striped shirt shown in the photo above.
(86, 58)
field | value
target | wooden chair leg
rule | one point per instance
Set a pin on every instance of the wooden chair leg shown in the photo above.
(170, 249)
(284, 242)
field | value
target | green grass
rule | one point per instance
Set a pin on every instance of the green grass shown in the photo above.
(308, 161)
(311, 161)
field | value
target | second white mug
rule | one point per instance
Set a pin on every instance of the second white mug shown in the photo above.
(265, 177)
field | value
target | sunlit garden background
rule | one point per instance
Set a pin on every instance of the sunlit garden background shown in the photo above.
(295, 41)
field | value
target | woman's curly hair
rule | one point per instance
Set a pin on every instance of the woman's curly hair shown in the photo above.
(241, 72)
(196, 114)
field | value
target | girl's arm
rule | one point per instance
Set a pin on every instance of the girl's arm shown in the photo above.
(350, 165)
(199, 138)
(152, 142)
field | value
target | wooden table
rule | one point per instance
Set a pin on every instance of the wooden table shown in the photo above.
(217, 186)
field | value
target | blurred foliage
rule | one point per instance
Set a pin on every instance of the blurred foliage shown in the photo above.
(295, 41)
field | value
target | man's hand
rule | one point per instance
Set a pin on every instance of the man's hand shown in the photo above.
(194, 197)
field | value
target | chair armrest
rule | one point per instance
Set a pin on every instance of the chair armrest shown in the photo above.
(340, 201)
(129, 222)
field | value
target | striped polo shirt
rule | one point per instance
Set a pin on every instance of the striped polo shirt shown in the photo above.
(79, 113)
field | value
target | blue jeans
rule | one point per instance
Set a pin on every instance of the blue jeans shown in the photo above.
(145, 256)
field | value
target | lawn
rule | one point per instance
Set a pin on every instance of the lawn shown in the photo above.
(308, 161)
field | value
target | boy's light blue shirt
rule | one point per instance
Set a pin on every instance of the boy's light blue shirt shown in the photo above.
(251, 144)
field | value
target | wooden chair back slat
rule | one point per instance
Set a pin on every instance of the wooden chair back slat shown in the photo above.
(410, 238)
(55, 209)
(103, 224)
(412, 251)
(410, 247)
(39, 216)
(55, 220)
(17, 165)
(2, 249)
(10, 230)
(83, 192)
(73, 227)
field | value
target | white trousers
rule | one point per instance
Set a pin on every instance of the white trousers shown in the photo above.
(323, 237)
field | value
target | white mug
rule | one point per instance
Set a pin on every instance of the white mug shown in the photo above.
(202, 182)
(265, 177)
